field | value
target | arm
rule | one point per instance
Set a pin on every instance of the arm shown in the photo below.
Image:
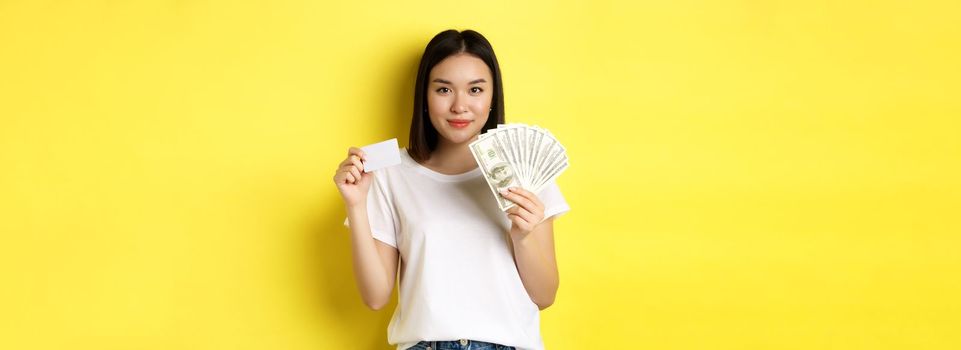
(375, 263)
(537, 264)
(532, 240)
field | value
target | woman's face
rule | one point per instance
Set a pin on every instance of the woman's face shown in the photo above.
(459, 94)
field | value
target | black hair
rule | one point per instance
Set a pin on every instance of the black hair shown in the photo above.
(423, 135)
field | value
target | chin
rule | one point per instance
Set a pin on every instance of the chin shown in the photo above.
(458, 139)
(460, 136)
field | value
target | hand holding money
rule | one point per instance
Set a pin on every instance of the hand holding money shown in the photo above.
(518, 155)
(527, 214)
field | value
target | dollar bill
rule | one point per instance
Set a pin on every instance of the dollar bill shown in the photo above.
(491, 157)
(519, 155)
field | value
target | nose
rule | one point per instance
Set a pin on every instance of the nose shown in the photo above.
(459, 106)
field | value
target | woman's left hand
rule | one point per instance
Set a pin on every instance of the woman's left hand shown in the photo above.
(527, 214)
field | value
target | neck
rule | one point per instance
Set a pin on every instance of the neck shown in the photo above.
(452, 158)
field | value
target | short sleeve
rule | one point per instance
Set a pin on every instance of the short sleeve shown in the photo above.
(553, 200)
(380, 213)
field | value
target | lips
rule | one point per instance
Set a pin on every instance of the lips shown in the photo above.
(459, 123)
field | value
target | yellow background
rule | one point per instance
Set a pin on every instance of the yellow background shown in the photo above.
(745, 174)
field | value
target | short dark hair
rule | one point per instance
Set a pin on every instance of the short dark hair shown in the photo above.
(423, 135)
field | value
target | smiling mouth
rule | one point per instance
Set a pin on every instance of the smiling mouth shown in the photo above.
(459, 123)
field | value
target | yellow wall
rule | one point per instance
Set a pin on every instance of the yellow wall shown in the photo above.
(745, 174)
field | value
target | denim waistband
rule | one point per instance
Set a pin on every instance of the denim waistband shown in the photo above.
(462, 344)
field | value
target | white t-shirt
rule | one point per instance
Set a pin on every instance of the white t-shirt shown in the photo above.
(458, 279)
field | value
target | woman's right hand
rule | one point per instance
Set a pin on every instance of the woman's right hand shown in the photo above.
(351, 180)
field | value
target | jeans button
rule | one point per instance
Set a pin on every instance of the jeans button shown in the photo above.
(463, 342)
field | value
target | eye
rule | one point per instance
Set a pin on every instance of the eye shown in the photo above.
(476, 90)
(443, 90)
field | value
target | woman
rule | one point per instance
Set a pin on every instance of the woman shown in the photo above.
(471, 276)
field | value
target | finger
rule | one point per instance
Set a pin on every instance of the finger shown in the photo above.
(358, 152)
(341, 174)
(520, 200)
(347, 161)
(343, 168)
(355, 172)
(350, 178)
(356, 162)
(527, 215)
(517, 211)
(519, 222)
(527, 194)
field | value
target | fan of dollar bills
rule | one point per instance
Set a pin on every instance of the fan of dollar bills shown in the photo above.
(518, 155)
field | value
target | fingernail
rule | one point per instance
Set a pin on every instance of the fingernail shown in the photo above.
(504, 192)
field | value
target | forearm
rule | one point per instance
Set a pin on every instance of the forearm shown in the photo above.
(537, 268)
(369, 270)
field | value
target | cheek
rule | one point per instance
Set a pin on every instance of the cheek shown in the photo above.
(482, 108)
(482, 105)
(437, 103)
(436, 119)
(482, 117)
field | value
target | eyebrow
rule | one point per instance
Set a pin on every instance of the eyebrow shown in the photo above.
(472, 82)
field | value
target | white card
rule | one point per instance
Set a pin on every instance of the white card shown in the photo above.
(381, 155)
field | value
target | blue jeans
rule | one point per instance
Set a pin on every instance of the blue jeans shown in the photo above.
(462, 344)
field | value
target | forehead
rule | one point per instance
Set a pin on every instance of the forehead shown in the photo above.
(461, 68)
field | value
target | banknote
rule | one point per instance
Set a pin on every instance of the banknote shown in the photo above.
(519, 155)
(500, 174)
